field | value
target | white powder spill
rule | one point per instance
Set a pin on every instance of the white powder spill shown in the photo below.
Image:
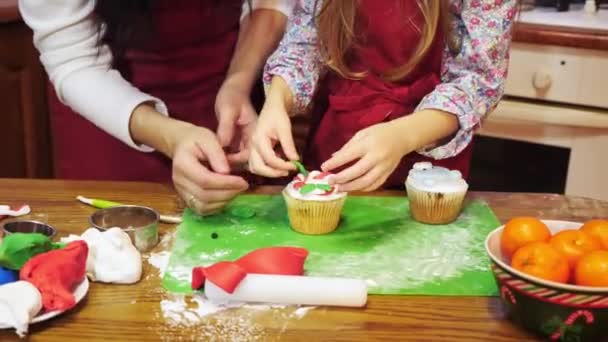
(208, 321)
(160, 261)
(301, 312)
(205, 320)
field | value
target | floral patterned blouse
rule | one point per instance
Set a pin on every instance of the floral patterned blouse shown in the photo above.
(473, 72)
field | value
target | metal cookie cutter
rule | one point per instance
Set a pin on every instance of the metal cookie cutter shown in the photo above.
(28, 226)
(140, 223)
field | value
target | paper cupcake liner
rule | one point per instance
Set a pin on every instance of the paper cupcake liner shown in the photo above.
(313, 217)
(435, 207)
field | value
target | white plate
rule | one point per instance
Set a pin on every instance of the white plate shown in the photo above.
(79, 293)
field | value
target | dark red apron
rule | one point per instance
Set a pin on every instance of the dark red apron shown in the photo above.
(183, 64)
(389, 36)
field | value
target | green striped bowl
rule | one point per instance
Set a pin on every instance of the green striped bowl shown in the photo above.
(556, 311)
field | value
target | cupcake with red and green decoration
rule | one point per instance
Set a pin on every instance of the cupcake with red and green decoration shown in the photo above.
(313, 205)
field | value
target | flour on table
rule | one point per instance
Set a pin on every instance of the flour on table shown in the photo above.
(204, 319)
(208, 321)
(160, 261)
(159, 258)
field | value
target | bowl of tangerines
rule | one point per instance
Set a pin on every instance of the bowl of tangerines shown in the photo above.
(552, 276)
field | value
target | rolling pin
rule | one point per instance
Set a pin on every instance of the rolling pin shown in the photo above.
(292, 290)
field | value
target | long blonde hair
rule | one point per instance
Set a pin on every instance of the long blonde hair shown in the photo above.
(336, 29)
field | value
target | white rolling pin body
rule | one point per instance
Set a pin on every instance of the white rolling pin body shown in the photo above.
(292, 290)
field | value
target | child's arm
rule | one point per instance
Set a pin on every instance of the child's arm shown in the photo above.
(273, 126)
(297, 60)
(473, 80)
(290, 78)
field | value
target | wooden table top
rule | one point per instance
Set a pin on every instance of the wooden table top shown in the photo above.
(133, 313)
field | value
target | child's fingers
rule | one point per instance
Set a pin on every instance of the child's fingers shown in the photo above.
(353, 172)
(289, 147)
(259, 167)
(363, 182)
(270, 158)
(344, 156)
(375, 185)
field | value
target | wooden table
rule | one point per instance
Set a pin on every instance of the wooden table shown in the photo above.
(121, 313)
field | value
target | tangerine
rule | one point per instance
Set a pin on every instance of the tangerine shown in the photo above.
(541, 260)
(592, 269)
(598, 229)
(573, 244)
(520, 231)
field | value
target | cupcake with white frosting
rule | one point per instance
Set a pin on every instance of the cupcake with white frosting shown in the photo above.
(436, 194)
(313, 205)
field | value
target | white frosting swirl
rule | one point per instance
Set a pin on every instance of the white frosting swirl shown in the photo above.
(426, 177)
(304, 187)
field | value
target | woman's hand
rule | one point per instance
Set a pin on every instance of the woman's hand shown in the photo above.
(273, 127)
(236, 121)
(377, 150)
(201, 171)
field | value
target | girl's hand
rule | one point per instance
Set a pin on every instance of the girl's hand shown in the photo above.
(236, 121)
(378, 149)
(201, 171)
(273, 127)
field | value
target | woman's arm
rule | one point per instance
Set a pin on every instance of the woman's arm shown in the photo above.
(297, 60)
(472, 80)
(260, 32)
(66, 35)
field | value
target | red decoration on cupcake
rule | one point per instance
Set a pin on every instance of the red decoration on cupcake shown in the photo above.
(302, 184)
(322, 175)
(56, 273)
(299, 182)
(272, 260)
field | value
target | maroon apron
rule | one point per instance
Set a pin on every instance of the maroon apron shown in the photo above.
(389, 36)
(183, 64)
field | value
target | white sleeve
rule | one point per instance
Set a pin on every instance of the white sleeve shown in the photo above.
(283, 6)
(66, 35)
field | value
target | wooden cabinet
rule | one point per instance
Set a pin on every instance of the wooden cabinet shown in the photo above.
(25, 144)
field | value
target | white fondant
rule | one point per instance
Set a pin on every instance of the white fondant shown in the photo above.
(6, 210)
(112, 257)
(426, 177)
(316, 195)
(423, 166)
(19, 303)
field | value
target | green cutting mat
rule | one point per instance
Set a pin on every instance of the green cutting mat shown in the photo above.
(376, 241)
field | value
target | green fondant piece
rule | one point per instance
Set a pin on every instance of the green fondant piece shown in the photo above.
(308, 188)
(17, 248)
(301, 168)
(242, 212)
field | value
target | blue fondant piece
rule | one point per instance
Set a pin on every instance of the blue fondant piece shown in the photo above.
(8, 276)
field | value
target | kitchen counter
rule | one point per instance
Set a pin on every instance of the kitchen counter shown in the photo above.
(134, 313)
(574, 28)
(593, 39)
